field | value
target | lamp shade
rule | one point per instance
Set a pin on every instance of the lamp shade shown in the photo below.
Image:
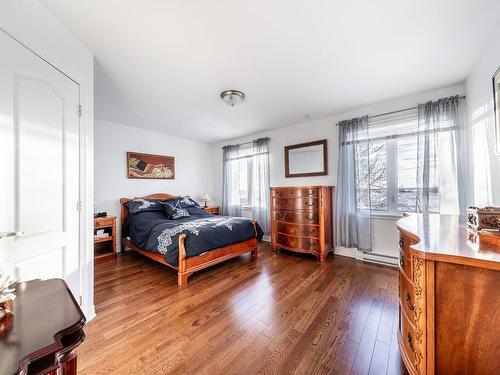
(205, 197)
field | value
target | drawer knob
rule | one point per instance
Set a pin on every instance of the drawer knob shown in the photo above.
(310, 217)
(97, 224)
(401, 261)
(408, 301)
(280, 215)
(401, 243)
(310, 204)
(410, 341)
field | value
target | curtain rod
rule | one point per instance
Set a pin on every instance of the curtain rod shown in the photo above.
(400, 110)
(247, 143)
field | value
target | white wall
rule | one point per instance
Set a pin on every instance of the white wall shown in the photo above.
(479, 91)
(32, 25)
(385, 235)
(112, 141)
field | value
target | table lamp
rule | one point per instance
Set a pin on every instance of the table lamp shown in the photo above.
(204, 197)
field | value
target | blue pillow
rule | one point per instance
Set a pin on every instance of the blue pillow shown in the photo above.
(142, 205)
(174, 209)
(196, 211)
(188, 202)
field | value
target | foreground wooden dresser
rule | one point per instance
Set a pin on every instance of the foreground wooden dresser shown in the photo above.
(301, 219)
(47, 325)
(449, 297)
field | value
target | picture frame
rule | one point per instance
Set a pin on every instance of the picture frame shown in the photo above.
(496, 109)
(150, 166)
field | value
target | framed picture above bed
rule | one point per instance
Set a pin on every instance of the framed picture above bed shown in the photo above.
(496, 99)
(149, 166)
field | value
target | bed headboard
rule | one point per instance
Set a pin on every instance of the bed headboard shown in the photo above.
(124, 209)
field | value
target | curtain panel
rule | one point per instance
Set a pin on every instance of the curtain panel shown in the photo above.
(231, 199)
(442, 160)
(260, 183)
(353, 220)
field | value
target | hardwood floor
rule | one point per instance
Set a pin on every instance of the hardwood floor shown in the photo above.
(278, 314)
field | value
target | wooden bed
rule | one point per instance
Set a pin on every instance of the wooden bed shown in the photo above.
(186, 265)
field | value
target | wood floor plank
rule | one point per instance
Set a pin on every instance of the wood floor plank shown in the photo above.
(275, 314)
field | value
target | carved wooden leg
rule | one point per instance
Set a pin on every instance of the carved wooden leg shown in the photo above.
(182, 279)
(255, 252)
(67, 362)
(322, 257)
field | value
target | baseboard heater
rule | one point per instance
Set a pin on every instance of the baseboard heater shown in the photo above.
(380, 259)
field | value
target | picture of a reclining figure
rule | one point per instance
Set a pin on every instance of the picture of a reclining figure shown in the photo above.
(150, 166)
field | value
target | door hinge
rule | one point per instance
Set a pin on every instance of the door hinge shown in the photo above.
(80, 300)
(80, 110)
(78, 205)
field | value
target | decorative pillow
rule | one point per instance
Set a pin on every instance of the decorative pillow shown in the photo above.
(142, 205)
(174, 209)
(188, 202)
(196, 211)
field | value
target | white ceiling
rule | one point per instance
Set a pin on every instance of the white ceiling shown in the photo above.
(162, 64)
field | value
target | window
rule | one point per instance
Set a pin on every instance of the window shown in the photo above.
(241, 165)
(387, 165)
(247, 177)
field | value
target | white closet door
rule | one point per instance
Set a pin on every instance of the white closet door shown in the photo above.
(39, 174)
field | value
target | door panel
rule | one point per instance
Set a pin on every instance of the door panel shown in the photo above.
(39, 136)
(25, 269)
(39, 149)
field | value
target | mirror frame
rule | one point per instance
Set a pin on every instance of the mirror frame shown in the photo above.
(322, 142)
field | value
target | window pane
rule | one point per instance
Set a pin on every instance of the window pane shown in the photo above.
(243, 181)
(372, 175)
(407, 173)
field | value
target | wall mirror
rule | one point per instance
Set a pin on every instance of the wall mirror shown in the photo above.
(306, 159)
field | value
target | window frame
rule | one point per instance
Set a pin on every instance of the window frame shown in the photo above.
(391, 148)
(247, 157)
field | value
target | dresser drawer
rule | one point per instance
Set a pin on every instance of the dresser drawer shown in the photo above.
(296, 203)
(295, 193)
(405, 264)
(407, 297)
(298, 230)
(404, 245)
(304, 243)
(298, 217)
(407, 337)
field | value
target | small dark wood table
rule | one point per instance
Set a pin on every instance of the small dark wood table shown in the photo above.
(48, 326)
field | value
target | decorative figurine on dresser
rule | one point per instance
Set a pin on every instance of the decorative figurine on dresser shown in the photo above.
(301, 219)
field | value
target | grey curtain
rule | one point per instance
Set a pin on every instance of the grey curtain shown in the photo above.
(353, 214)
(231, 205)
(441, 167)
(260, 183)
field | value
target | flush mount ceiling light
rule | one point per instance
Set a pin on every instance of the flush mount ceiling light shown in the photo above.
(232, 97)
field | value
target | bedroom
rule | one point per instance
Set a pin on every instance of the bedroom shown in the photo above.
(400, 102)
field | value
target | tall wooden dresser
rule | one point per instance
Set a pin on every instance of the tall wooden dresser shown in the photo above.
(301, 219)
(449, 297)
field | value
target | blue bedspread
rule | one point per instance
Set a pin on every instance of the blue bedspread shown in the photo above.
(152, 231)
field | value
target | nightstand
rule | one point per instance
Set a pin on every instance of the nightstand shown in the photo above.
(214, 210)
(105, 246)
